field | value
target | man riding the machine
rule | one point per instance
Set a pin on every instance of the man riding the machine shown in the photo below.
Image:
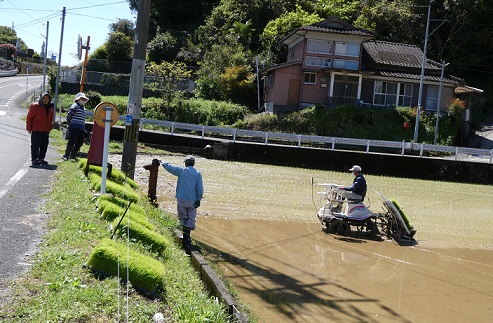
(357, 190)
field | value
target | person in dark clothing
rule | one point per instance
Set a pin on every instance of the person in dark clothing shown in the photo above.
(39, 122)
(358, 189)
(76, 118)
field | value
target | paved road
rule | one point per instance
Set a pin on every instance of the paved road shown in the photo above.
(21, 185)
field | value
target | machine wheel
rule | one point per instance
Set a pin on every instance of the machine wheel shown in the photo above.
(344, 228)
(332, 226)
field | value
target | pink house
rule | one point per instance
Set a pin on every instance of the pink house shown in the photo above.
(332, 63)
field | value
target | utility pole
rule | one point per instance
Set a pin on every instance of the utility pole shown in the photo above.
(59, 60)
(136, 87)
(418, 110)
(45, 54)
(439, 99)
(258, 85)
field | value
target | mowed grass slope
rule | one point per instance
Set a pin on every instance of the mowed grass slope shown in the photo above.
(444, 214)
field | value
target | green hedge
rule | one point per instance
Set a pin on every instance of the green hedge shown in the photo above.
(121, 203)
(146, 236)
(144, 272)
(357, 122)
(113, 188)
(116, 174)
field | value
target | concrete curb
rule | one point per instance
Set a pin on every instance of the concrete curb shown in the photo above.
(212, 280)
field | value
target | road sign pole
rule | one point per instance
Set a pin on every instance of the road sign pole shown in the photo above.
(107, 127)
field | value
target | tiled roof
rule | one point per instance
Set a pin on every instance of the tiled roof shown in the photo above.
(416, 76)
(277, 66)
(337, 30)
(397, 54)
(332, 25)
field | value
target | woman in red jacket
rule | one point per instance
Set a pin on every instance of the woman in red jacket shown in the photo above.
(39, 123)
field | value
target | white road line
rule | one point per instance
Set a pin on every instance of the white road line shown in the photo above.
(17, 177)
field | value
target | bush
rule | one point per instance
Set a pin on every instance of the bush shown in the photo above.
(116, 175)
(196, 111)
(357, 122)
(124, 192)
(144, 272)
(148, 237)
(94, 99)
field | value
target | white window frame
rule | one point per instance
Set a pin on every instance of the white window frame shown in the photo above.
(405, 96)
(343, 49)
(346, 64)
(291, 53)
(317, 46)
(388, 98)
(431, 101)
(310, 75)
(318, 61)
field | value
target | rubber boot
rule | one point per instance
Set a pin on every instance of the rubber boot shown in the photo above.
(186, 236)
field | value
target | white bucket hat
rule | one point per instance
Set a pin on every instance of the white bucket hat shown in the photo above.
(355, 168)
(80, 95)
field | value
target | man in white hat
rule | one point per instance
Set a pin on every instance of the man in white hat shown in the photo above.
(189, 191)
(76, 119)
(357, 191)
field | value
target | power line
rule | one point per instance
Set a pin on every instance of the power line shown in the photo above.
(97, 5)
(38, 20)
(81, 15)
(21, 9)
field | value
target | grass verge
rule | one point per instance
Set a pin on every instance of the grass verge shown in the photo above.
(58, 287)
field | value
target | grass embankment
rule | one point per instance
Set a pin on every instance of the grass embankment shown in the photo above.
(59, 288)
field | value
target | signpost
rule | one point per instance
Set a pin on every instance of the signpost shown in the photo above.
(105, 116)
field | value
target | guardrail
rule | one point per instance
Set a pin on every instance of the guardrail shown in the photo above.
(275, 138)
(8, 72)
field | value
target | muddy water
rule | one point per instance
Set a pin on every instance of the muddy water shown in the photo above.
(290, 270)
(293, 271)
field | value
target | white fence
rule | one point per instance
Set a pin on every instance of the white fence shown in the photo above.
(274, 138)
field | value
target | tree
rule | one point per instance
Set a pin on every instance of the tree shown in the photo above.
(278, 28)
(162, 48)
(396, 21)
(214, 65)
(343, 9)
(237, 84)
(119, 47)
(166, 78)
(9, 36)
(124, 26)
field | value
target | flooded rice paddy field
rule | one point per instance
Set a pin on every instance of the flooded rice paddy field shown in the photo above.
(258, 224)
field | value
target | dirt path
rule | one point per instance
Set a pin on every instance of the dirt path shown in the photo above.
(286, 269)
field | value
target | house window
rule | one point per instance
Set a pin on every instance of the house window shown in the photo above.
(405, 94)
(431, 98)
(346, 64)
(347, 49)
(291, 53)
(317, 61)
(385, 93)
(319, 46)
(345, 89)
(268, 80)
(309, 78)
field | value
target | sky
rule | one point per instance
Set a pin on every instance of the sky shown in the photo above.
(83, 17)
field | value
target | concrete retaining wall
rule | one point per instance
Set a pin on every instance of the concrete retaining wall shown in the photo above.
(428, 168)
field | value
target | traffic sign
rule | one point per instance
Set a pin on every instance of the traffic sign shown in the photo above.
(100, 114)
